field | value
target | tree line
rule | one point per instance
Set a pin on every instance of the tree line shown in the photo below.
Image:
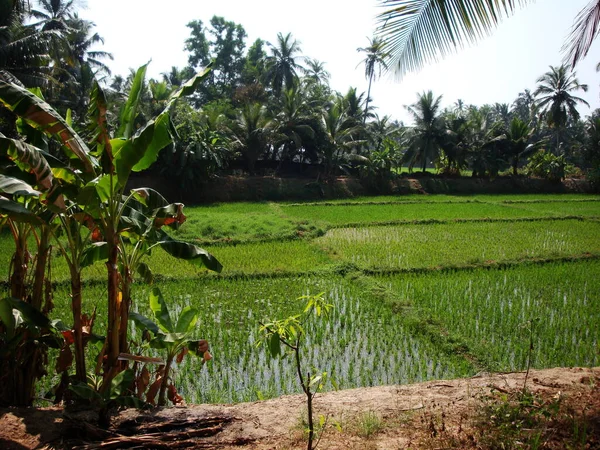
(267, 108)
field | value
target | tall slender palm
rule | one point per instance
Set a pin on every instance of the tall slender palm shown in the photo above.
(555, 98)
(418, 32)
(375, 63)
(428, 133)
(282, 66)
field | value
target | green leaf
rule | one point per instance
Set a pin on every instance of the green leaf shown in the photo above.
(150, 198)
(98, 251)
(31, 315)
(145, 273)
(17, 212)
(86, 392)
(190, 86)
(160, 310)
(130, 109)
(104, 188)
(161, 137)
(41, 116)
(418, 32)
(275, 345)
(190, 252)
(127, 155)
(143, 322)
(29, 159)
(175, 338)
(187, 320)
(7, 317)
(121, 383)
(14, 186)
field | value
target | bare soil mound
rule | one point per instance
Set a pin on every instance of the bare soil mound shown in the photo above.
(561, 409)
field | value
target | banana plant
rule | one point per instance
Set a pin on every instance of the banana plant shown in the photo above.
(23, 211)
(103, 173)
(174, 337)
(24, 336)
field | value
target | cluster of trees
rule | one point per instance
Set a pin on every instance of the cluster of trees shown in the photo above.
(268, 107)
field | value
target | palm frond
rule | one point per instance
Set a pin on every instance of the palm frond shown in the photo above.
(585, 29)
(417, 32)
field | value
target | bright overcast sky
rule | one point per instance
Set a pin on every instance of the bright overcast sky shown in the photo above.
(494, 70)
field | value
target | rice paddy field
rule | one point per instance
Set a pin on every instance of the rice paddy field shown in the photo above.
(423, 287)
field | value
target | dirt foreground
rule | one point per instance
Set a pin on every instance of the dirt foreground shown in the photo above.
(436, 414)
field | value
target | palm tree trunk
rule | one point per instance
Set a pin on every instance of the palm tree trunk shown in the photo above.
(368, 98)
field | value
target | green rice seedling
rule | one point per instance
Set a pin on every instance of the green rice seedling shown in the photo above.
(556, 208)
(240, 222)
(519, 198)
(364, 342)
(459, 244)
(383, 199)
(490, 310)
(408, 212)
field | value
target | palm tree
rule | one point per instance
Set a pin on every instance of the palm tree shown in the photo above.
(315, 71)
(23, 48)
(417, 32)
(339, 137)
(517, 142)
(428, 133)
(555, 100)
(281, 65)
(374, 62)
(250, 131)
(585, 29)
(524, 107)
(54, 14)
(292, 124)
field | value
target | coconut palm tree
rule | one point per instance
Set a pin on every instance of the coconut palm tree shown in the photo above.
(291, 124)
(23, 48)
(417, 32)
(54, 14)
(250, 132)
(585, 29)
(428, 133)
(315, 71)
(340, 138)
(375, 63)
(517, 142)
(282, 66)
(555, 99)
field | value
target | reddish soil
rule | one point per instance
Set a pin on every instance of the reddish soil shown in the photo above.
(436, 414)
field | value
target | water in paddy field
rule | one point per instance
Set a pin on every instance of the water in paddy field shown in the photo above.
(362, 343)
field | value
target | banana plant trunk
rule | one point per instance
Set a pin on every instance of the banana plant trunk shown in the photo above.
(126, 280)
(19, 266)
(111, 362)
(76, 297)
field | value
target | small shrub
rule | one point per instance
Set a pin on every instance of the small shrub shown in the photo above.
(369, 423)
(547, 166)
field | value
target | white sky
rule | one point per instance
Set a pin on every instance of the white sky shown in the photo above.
(494, 70)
